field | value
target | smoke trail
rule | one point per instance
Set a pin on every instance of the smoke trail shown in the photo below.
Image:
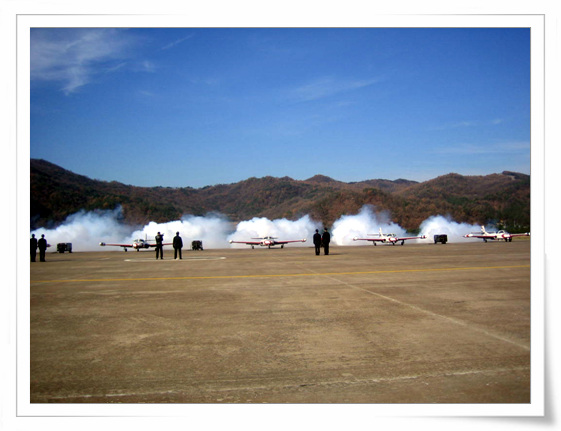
(283, 229)
(365, 222)
(436, 225)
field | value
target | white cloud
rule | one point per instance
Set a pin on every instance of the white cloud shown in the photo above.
(72, 57)
(177, 42)
(326, 87)
(467, 124)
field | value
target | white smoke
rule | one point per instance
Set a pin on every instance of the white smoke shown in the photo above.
(367, 221)
(85, 230)
(212, 230)
(437, 225)
(362, 224)
(283, 229)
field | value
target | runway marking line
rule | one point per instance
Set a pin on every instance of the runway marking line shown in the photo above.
(440, 316)
(315, 274)
(176, 260)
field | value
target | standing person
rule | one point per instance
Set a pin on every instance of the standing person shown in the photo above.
(33, 247)
(317, 242)
(177, 244)
(42, 244)
(159, 246)
(325, 239)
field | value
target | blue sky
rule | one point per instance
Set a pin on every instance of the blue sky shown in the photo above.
(199, 106)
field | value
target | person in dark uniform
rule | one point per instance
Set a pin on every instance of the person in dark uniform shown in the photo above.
(317, 242)
(42, 244)
(325, 239)
(177, 244)
(159, 246)
(33, 247)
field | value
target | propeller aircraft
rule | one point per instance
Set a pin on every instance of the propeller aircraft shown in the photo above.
(266, 241)
(495, 236)
(389, 238)
(137, 244)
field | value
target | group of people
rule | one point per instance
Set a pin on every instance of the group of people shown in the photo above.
(322, 240)
(40, 244)
(177, 245)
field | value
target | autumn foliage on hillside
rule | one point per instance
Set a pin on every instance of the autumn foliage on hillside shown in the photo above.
(503, 199)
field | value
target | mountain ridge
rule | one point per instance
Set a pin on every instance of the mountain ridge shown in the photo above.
(503, 197)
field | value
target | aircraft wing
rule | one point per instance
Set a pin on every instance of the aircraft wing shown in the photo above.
(480, 235)
(103, 244)
(520, 234)
(368, 239)
(292, 240)
(356, 238)
(246, 242)
(411, 237)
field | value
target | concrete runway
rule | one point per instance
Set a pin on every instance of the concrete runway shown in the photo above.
(419, 323)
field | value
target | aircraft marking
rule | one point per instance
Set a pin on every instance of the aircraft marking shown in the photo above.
(315, 274)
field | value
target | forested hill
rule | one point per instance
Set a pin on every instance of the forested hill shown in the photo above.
(501, 198)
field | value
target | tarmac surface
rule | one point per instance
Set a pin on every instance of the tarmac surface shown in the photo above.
(419, 323)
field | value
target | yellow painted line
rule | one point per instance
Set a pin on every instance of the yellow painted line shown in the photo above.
(315, 274)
